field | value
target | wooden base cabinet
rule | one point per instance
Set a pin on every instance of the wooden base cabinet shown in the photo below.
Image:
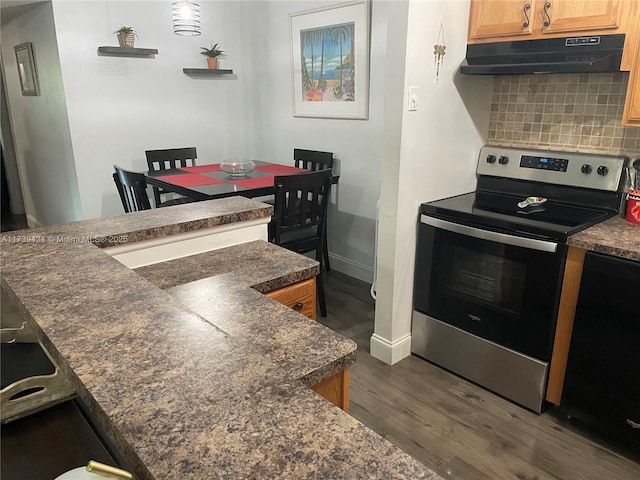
(300, 296)
(335, 389)
(564, 325)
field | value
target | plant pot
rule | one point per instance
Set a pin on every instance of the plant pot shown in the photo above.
(212, 63)
(126, 39)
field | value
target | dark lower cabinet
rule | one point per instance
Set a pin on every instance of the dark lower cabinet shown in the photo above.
(48, 443)
(602, 382)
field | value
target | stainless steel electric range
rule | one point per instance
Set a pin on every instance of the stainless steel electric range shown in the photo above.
(490, 263)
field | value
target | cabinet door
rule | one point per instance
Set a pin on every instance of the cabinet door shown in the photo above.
(300, 296)
(335, 389)
(578, 15)
(631, 115)
(501, 18)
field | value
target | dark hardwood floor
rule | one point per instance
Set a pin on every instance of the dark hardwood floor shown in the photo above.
(454, 427)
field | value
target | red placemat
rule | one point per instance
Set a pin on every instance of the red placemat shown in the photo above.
(277, 169)
(189, 180)
(202, 168)
(257, 182)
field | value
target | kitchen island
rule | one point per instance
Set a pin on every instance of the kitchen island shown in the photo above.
(207, 379)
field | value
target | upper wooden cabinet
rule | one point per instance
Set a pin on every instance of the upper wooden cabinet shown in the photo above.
(564, 16)
(631, 115)
(494, 19)
(502, 20)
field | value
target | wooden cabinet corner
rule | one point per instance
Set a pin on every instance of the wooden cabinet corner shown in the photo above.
(300, 296)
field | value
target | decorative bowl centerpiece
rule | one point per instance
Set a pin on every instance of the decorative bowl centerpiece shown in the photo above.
(237, 168)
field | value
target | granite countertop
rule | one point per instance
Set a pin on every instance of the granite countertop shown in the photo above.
(208, 378)
(223, 287)
(614, 236)
(150, 224)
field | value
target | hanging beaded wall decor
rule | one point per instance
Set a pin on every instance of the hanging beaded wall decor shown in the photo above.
(438, 52)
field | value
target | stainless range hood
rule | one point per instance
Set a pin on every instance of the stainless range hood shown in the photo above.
(591, 54)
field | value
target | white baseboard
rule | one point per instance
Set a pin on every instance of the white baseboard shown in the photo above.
(390, 352)
(351, 268)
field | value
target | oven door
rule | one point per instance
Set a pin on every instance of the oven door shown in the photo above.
(499, 287)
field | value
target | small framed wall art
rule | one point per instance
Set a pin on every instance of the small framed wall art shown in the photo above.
(330, 61)
(27, 69)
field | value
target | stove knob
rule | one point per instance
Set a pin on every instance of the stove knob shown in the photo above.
(586, 169)
(503, 160)
(491, 159)
(603, 170)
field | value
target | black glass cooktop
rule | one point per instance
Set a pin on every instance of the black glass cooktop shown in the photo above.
(500, 212)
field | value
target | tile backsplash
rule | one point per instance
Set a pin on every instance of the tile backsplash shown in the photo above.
(580, 112)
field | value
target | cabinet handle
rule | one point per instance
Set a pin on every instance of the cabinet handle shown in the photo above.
(547, 6)
(527, 7)
(298, 306)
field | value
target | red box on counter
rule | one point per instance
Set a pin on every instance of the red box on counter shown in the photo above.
(633, 206)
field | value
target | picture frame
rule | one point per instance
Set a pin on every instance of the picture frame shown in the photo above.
(330, 61)
(25, 62)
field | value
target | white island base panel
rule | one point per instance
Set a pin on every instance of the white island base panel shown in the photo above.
(148, 252)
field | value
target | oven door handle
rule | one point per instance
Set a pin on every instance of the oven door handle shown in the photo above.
(530, 243)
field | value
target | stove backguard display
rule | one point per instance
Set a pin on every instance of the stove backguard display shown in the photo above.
(544, 163)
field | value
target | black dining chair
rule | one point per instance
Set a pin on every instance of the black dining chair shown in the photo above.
(299, 220)
(315, 160)
(312, 159)
(167, 159)
(132, 188)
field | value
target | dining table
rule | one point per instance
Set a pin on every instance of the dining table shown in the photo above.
(208, 182)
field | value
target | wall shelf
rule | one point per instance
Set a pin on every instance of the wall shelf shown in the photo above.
(206, 72)
(127, 52)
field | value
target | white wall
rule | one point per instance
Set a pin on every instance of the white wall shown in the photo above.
(437, 158)
(121, 106)
(357, 145)
(41, 129)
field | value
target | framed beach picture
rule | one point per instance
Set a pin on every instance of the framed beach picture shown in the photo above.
(27, 69)
(330, 61)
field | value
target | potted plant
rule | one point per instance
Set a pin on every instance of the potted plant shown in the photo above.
(212, 54)
(126, 36)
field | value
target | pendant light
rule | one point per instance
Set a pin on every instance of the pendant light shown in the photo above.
(186, 18)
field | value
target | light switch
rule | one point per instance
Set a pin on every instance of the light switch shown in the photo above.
(413, 99)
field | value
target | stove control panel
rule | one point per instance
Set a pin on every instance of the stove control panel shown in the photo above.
(585, 170)
(544, 163)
